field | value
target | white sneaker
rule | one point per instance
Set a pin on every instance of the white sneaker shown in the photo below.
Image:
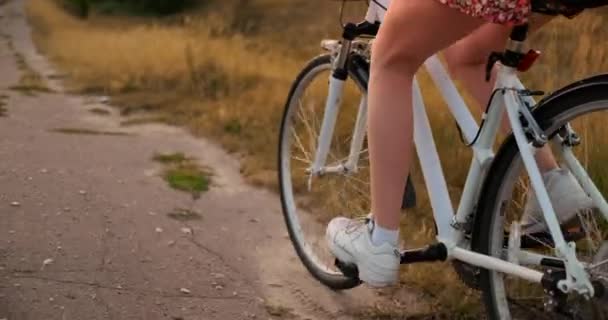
(567, 197)
(350, 241)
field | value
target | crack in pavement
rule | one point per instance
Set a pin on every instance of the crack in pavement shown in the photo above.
(199, 245)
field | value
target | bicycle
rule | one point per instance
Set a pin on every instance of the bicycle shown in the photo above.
(566, 267)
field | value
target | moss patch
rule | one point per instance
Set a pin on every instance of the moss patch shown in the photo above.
(182, 173)
(188, 178)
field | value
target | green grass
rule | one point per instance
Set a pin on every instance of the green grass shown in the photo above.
(212, 63)
(233, 127)
(182, 173)
(188, 178)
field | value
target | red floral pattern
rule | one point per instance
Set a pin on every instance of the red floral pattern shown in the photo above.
(497, 11)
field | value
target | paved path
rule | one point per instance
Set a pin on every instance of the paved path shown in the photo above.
(84, 231)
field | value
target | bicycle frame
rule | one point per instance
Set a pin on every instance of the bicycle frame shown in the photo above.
(450, 224)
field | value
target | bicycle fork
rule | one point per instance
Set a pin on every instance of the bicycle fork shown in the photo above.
(332, 108)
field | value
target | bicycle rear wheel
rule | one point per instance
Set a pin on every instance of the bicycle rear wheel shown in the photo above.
(585, 109)
(311, 201)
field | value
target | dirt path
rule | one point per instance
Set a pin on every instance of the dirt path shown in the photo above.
(85, 234)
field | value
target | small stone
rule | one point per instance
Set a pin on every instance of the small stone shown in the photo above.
(11, 231)
(30, 178)
(51, 299)
(119, 286)
(46, 262)
(44, 170)
(17, 285)
(15, 204)
(67, 209)
(82, 192)
(186, 230)
(152, 213)
(184, 291)
(158, 230)
(254, 220)
(171, 243)
(218, 275)
(234, 293)
(219, 287)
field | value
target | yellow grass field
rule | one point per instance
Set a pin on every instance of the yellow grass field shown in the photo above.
(224, 70)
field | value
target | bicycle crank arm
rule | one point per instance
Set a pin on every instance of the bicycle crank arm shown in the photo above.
(432, 253)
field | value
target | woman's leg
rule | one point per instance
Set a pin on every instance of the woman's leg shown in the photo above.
(413, 31)
(467, 61)
(410, 34)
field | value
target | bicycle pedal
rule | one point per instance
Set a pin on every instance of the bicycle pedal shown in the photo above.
(349, 270)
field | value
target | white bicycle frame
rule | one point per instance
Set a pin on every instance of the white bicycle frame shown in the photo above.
(449, 223)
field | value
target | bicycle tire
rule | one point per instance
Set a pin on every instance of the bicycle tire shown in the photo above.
(563, 106)
(335, 281)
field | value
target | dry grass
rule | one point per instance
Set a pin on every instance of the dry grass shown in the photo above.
(224, 71)
(30, 80)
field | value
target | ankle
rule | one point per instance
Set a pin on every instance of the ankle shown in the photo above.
(382, 235)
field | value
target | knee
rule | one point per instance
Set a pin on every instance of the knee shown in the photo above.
(398, 58)
(462, 56)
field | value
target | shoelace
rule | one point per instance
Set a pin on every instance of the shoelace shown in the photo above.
(356, 223)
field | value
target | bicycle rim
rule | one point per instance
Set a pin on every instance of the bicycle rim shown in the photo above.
(310, 202)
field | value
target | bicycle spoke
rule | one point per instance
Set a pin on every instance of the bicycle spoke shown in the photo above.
(299, 142)
(305, 161)
(312, 138)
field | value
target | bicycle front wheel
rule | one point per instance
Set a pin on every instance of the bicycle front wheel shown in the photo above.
(584, 108)
(310, 201)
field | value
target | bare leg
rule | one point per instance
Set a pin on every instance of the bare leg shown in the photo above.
(413, 30)
(467, 62)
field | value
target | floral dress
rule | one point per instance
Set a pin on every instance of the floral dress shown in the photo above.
(498, 11)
